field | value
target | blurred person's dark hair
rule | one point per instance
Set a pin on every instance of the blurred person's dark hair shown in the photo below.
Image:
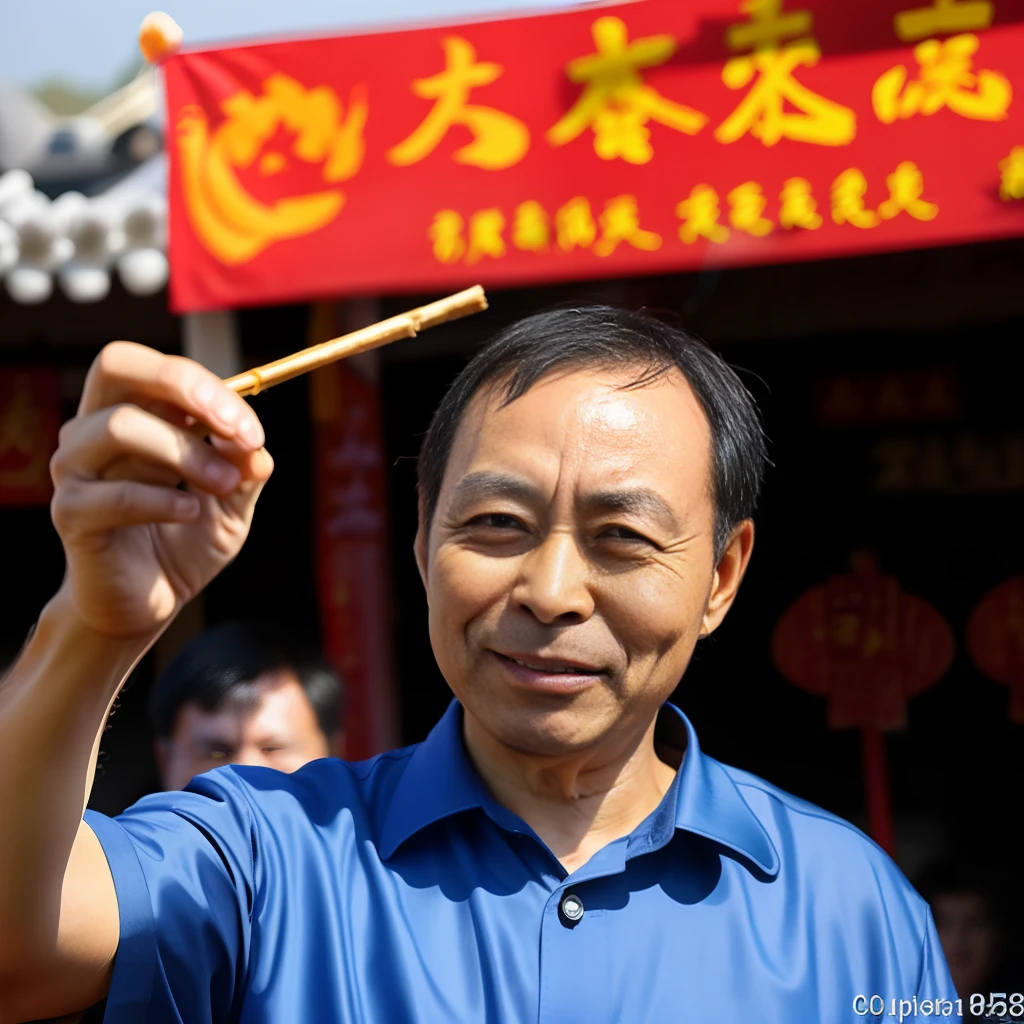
(957, 874)
(973, 901)
(604, 337)
(225, 665)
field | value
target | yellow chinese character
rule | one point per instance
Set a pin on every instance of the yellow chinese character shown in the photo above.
(746, 204)
(798, 208)
(700, 214)
(620, 222)
(531, 227)
(943, 16)
(615, 102)
(848, 200)
(946, 79)
(763, 111)
(1011, 178)
(499, 140)
(485, 228)
(445, 232)
(574, 225)
(767, 27)
(906, 184)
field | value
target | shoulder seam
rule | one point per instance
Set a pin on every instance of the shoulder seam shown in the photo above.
(809, 811)
(402, 754)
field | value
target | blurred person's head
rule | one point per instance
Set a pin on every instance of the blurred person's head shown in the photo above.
(586, 490)
(244, 693)
(968, 912)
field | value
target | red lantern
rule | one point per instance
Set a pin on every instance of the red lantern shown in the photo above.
(867, 646)
(995, 640)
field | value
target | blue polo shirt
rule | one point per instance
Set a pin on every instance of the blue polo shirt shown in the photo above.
(397, 890)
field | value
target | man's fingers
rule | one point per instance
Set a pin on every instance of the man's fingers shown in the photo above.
(108, 442)
(256, 469)
(84, 507)
(126, 372)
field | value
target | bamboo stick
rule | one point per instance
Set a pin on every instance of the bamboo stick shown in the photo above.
(406, 325)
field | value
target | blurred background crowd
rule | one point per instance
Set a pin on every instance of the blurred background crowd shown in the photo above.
(874, 663)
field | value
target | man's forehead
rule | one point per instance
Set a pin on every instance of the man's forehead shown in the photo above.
(244, 703)
(612, 392)
(591, 415)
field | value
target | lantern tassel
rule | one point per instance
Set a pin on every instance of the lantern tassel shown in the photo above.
(876, 788)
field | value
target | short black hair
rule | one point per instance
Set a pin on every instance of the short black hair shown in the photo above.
(225, 663)
(522, 354)
(964, 875)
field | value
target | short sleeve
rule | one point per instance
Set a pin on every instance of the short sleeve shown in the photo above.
(183, 865)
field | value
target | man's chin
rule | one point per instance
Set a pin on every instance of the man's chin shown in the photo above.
(541, 731)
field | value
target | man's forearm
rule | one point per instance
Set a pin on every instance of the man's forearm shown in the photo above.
(54, 704)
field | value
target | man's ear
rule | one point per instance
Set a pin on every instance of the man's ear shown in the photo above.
(728, 576)
(419, 545)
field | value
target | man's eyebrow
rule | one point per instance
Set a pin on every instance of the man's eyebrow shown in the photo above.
(638, 501)
(488, 484)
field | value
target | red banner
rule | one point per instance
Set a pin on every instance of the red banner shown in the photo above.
(619, 139)
(29, 424)
(352, 547)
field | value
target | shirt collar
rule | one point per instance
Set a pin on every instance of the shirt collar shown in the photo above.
(440, 781)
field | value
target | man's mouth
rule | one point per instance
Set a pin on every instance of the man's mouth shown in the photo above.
(556, 669)
(551, 665)
(553, 675)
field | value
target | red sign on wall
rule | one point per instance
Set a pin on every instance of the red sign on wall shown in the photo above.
(618, 139)
(352, 548)
(29, 423)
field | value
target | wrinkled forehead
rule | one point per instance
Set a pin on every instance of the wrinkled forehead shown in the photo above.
(589, 427)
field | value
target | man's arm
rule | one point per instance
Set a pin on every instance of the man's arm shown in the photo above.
(137, 549)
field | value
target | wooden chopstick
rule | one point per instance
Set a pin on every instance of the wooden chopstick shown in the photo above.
(406, 325)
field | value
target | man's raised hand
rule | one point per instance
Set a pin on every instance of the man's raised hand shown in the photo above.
(137, 546)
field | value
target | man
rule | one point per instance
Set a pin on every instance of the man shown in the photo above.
(972, 903)
(559, 849)
(243, 693)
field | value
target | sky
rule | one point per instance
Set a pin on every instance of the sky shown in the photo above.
(88, 42)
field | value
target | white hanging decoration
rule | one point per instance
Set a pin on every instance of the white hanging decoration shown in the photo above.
(8, 247)
(143, 267)
(95, 232)
(14, 186)
(143, 271)
(40, 249)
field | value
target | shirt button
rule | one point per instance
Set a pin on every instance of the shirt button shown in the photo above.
(572, 907)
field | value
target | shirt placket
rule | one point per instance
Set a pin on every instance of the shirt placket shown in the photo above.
(568, 937)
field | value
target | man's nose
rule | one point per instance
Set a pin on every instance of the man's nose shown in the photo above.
(554, 579)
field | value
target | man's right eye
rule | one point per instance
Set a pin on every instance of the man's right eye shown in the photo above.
(495, 521)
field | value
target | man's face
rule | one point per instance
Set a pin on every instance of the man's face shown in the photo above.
(277, 729)
(574, 532)
(970, 939)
